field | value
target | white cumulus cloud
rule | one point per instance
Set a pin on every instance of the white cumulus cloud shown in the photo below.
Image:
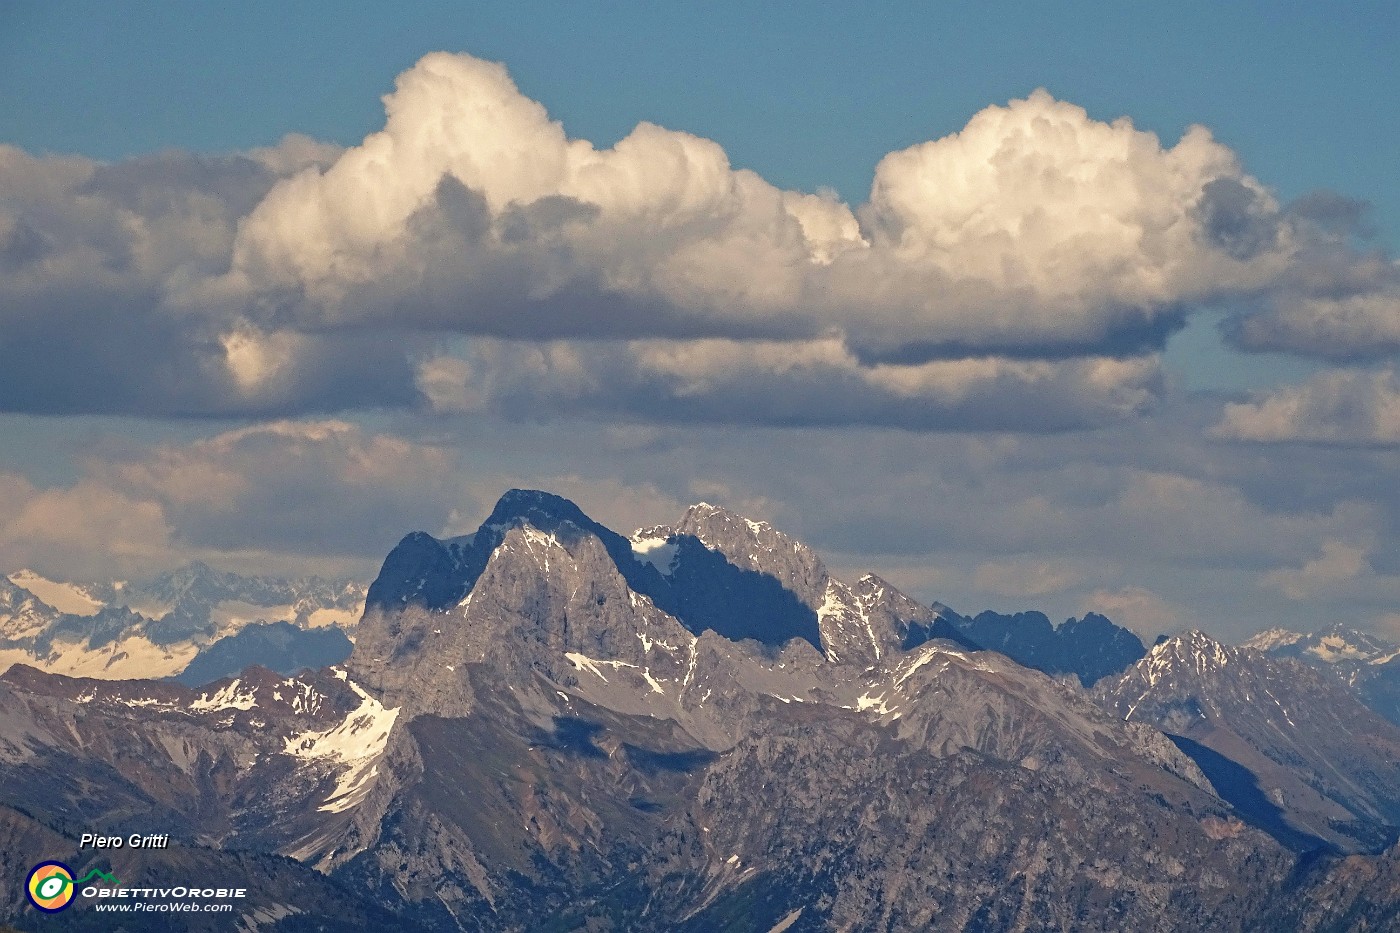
(1025, 252)
(1344, 406)
(1034, 227)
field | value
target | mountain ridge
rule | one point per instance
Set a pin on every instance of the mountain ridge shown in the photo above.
(1330, 765)
(525, 735)
(158, 628)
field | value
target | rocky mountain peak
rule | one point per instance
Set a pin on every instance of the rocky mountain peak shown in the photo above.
(1365, 664)
(1190, 650)
(1327, 766)
(1338, 644)
(22, 614)
(720, 529)
(748, 545)
(871, 586)
(1272, 639)
(542, 510)
(195, 575)
(943, 611)
(1342, 642)
(1090, 648)
(699, 728)
(12, 594)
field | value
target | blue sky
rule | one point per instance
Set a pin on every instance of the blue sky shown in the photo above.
(806, 94)
(1038, 440)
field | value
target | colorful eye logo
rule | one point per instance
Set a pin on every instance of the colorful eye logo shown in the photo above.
(49, 886)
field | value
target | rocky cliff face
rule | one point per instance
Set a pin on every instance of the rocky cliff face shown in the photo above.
(755, 710)
(1318, 761)
(546, 725)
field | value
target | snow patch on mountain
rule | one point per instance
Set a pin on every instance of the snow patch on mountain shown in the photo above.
(1272, 639)
(120, 631)
(305, 699)
(66, 597)
(231, 615)
(1334, 648)
(22, 614)
(227, 697)
(1193, 649)
(345, 618)
(132, 658)
(842, 619)
(71, 598)
(353, 747)
(660, 552)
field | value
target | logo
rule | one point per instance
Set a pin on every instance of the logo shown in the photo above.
(50, 886)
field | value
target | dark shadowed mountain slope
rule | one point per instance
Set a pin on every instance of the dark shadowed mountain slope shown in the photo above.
(1091, 648)
(279, 646)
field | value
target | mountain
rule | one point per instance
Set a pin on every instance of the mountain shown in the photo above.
(1367, 665)
(280, 646)
(1090, 648)
(160, 627)
(79, 599)
(1338, 644)
(1355, 893)
(259, 762)
(104, 640)
(23, 616)
(197, 600)
(545, 725)
(1291, 747)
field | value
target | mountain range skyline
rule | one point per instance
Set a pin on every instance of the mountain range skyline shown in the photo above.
(545, 722)
(197, 624)
(1328, 641)
(1081, 332)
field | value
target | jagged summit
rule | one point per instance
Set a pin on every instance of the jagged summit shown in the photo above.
(1328, 767)
(1271, 638)
(1336, 643)
(155, 628)
(1194, 644)
(546, 722)
(1091, 648)
(1362, 662)
(437, 574)
(195, 575)
(713, 570)
(703, 516)
(740, 538)
(716, 570)
(1187, 654)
